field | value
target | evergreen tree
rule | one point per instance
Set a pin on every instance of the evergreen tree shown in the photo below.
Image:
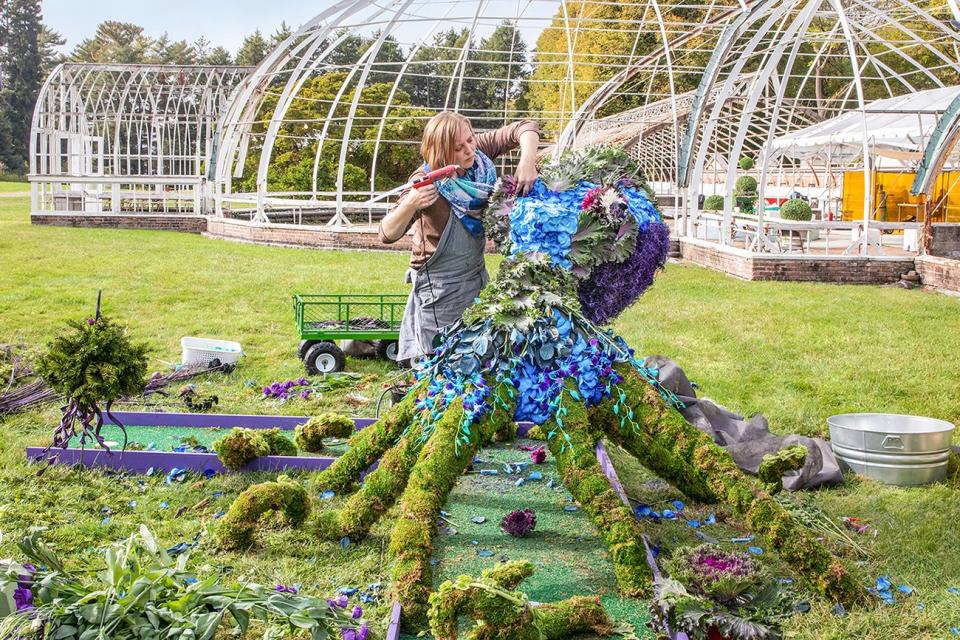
(117, 42)
(49, 56)
(20, 78)
(218, 56)
(254, 49)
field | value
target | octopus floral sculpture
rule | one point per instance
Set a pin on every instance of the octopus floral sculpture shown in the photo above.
(580, 248)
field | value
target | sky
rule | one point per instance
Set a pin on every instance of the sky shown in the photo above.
(219, 21)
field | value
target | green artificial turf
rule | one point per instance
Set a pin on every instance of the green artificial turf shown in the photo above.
(796, 352)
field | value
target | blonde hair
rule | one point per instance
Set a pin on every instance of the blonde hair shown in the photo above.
(440, 138)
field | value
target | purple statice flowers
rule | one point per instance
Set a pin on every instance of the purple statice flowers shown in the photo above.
(519, 523)
(284, 390)
(612, 287)
(23, 596)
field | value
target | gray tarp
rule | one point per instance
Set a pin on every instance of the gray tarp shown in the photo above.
(747, 440)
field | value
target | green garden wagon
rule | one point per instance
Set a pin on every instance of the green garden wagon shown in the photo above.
(322, 319)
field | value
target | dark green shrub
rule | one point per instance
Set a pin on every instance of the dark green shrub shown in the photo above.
(236, 449)
(746, 186)
(796, 209)
(280, 445)
(713, 203)
(310, 435)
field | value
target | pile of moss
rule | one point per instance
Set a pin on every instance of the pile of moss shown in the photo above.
(310, 435)
(238, 448)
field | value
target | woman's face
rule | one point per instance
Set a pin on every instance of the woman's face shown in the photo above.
(464, 152)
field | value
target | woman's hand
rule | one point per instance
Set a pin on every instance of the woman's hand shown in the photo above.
(526, 175)
(421, 198)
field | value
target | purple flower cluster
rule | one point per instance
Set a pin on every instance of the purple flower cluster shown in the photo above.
(283, 390)
(613, 287)
(292, 589)
(519, 523)
(538, 455)
(23, 596)
(342, 601)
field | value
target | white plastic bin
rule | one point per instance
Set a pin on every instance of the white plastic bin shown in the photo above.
(205, 350)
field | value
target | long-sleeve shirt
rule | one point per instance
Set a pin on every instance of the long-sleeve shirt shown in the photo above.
(426, 236)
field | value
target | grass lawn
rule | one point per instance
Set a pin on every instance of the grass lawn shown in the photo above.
(14, 187)
(794, 352)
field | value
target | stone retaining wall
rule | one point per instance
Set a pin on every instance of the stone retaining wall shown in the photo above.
(804, 268)
(148, 221)
(940, 273)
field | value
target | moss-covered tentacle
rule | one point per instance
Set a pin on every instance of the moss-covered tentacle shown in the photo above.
(678, 444)
(774, 466)
(439, 464)
(500, 613)
(379, 492)
(367, 446)
(582, 476)
(285, 498)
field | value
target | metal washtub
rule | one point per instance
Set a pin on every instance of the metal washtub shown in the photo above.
(895, 449)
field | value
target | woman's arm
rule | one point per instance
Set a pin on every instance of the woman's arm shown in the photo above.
(527, 167)
(399, 219)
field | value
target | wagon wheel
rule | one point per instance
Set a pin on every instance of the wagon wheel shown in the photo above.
(324, 357)
(304, 346)
(388, 350)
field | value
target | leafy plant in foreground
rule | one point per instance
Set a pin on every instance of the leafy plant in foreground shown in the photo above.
(141, 592)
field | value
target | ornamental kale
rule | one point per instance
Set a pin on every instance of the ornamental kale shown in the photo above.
(519, 523)
(720, 575)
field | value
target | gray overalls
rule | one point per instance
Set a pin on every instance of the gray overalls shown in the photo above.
(442, 288)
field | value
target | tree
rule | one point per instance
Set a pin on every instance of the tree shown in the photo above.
(179, 52)
(116, 42)
(49, 56)
(253, 50)
(217, 55)
(20, 78)
(283, 32)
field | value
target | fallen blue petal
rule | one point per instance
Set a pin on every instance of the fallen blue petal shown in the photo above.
(164, 505)
(478, 519)
(677, 505)
(345, 542)
(535, 476)
(955, 631)
(906, 589)
(883, 583)
(802, 607)
(742, 540)
(150, 471)
(209, 473)
(328, 495)
(669, 514)
(706, 538)
(105, 521)
(839, 610)
(551, 483)
(190, 580)
(474, 542)
(954, 590)
(219, 514)
(348, 591)
(921, 606)
(217, 494)
(520, 482)
(366, 598)
(711, 519)
(694, 523)
(785, 580)
(177, 549)
(757, 551)
(485, 553)
(489, 472)
(571, 507)
(132, 503)
(434, 562)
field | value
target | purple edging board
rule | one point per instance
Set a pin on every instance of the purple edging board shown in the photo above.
(143, 461)
(607, 466)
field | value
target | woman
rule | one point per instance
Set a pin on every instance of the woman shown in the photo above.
(446, 266)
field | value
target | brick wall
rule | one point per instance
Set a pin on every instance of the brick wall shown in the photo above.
(743, 264)
(946, 241)
(940, 273)
(188, 224)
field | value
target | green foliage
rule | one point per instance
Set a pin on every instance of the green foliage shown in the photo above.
(713, 573)
(597, 164)
(713, 203)
(746, 163)
(796, 209)
(280, 445)
(137, 591)
(238, 448)
(309, 435)
(93, 363)
(746, 186)
(21, 65)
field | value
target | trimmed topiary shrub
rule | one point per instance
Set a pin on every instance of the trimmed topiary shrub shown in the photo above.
(280, 445)
(746, 163)
(746, 186)
(236, 449)
(310, 435)
(713, 203)
(796, 209)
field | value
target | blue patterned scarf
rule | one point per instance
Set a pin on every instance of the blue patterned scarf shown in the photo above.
(468, 194)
